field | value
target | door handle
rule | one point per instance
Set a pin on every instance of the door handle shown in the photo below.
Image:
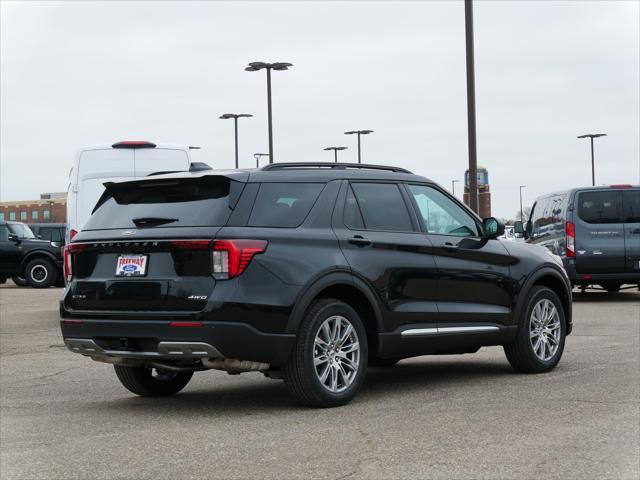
(449, 247)
(359, 240)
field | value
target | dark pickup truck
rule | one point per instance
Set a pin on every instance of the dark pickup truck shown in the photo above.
(22, 255)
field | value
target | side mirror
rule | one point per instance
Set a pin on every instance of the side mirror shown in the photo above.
(493, 227)
(13, 237)
(518, 227)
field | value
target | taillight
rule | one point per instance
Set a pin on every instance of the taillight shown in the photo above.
(231, 257)
(67, 265)
(72, 234)
(571, 239)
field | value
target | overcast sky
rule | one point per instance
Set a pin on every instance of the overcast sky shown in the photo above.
(77, 74)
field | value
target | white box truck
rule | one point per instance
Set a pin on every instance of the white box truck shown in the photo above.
(124, 160)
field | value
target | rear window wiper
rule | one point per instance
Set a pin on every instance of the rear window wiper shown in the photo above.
(142, 222)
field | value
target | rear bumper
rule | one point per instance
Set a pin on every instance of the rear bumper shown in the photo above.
(151, 339)
(587, 278)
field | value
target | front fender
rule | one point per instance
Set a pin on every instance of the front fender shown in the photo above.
(536, 277)
(38, 253)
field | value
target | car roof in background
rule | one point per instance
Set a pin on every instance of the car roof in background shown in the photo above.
(109, 146)
(590, 188)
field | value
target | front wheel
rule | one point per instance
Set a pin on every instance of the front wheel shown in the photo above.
(329, 359)
(539, 342)
(152, 382)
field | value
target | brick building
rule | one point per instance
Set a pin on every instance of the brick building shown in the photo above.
(484, 194)
(52, 207)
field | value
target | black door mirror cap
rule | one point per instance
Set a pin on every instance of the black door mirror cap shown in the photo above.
(13, 237)
(493, 227)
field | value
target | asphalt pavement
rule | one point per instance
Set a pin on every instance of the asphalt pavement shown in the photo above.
(63, 416)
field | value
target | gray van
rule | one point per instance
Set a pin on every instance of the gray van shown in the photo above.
(595, 230)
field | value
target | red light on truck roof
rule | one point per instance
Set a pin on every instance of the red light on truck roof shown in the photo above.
(621, 185)
(133, 144)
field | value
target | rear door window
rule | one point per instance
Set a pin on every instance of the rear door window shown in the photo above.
(51, 234)
(284, 204)
(631, 204)
(185, 202)
(382, 207)
(600, 207)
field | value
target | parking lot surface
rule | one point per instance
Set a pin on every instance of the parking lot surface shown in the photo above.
(469, 416)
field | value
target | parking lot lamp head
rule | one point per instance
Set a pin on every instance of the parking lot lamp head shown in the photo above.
(591, 136)
(335, 151)
(235, 117)
(257, 156)
(359, 132)
(278, 66)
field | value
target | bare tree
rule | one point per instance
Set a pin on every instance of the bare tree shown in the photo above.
(526, 211)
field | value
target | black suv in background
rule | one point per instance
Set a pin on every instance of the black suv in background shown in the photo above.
(306, 272)
(595, 230)
(26, 258)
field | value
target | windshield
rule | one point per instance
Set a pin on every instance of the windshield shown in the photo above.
(165, 203)
(21, 230)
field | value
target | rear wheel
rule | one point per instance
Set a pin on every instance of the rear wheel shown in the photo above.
(40, 273)
(328, 363)
(539, 342)
(152, 382)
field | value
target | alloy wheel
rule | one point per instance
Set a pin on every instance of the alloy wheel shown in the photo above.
(336, 354)
(544, 329)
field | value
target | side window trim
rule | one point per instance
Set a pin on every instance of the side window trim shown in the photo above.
(400, 186)
(344, 210)
(416, 209)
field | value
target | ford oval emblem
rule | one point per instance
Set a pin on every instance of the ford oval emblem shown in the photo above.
(129, 232)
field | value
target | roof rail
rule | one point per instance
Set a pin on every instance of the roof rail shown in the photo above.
(331, 165)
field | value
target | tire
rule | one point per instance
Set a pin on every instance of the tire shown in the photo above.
(382, 362)
(611, 287)
(40, 273)
(151, 382)
(20, 281)
(520, 352)
(303, 378)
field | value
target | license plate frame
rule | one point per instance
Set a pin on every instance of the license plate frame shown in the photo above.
(132, 265)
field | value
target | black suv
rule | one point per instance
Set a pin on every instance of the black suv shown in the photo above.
(306, 272)
(27, 259)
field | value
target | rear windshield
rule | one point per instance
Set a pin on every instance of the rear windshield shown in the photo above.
(198, 202)
(600, 207)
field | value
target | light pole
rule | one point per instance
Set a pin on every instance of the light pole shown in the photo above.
(471, 106)
(359, 132)
(335, 151)
(453, 187)
(257, 157)
(235, 117)
(591, 136)
(254, 67)
(521, 212)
